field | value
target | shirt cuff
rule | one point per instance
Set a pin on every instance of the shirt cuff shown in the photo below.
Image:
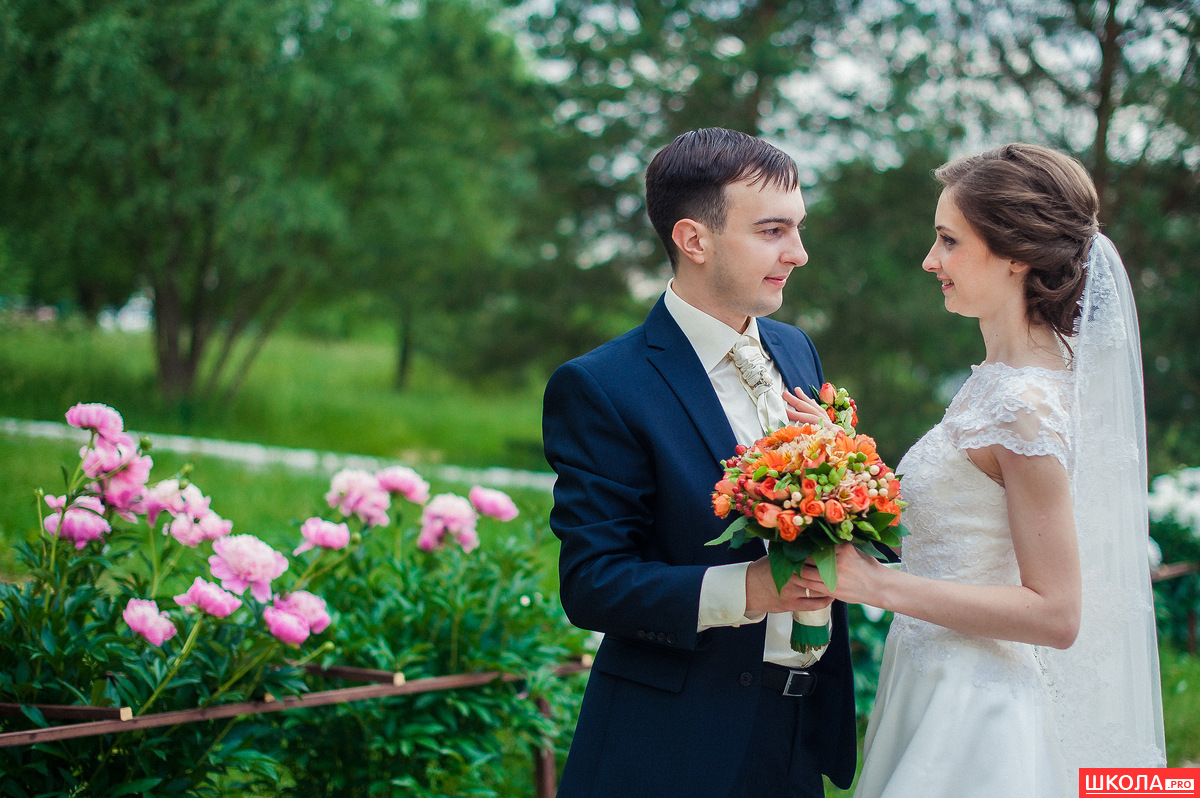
(723, 597)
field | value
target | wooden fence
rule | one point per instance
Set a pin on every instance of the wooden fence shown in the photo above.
(113, 720)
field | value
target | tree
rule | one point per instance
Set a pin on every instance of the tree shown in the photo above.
(232, 155)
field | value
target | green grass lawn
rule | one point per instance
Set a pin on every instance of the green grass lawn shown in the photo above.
(329, 395)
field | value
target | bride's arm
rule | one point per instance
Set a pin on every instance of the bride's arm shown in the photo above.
(1044, 609)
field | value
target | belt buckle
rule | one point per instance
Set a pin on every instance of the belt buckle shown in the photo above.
(797, 688)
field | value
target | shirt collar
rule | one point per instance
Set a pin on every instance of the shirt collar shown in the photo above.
(710, 337)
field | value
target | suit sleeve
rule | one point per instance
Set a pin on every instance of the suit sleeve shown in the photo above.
(613, 574)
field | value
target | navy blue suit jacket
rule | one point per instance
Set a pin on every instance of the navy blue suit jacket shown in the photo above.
(635, 433)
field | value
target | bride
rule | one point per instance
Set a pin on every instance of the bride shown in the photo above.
(1023, 645)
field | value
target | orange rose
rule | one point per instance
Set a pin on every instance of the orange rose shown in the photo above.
(788, 530)
(813, 508)
(721, 505)
(835, 513)
(827, 394)
(767, 514)
(808, 487)
(726, 487)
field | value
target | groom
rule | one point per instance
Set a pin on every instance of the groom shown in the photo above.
(694, 691)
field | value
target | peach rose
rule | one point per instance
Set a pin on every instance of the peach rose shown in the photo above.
(721, 505)
(770, 492)
(828, 394)
(767, 514)
(808, 487)
(859, 499)
(835, 513)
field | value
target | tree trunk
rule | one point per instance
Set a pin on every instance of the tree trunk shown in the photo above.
(1110, 57)
(403, 349)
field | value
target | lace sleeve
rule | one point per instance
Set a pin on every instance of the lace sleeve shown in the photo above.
(1025, 410)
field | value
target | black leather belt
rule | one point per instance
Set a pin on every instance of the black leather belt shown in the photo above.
(788, 681)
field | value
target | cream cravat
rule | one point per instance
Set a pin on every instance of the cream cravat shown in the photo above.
(756, 377)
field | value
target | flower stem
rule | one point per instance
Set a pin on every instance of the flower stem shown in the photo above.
(187, 649)
(312, 572)
(249, 666)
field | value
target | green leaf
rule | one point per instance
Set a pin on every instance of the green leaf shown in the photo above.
(880, 519)
(135, 787)
(826, 560)
(727, 535)
(782, 567)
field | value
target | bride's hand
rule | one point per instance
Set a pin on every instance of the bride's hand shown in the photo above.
(803, 409)
(856, 580)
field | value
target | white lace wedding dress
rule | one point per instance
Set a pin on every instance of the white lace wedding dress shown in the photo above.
(959, 716)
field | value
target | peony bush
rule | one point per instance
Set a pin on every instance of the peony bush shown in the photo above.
(140, 594)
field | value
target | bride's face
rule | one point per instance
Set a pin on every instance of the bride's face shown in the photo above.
(975, 282)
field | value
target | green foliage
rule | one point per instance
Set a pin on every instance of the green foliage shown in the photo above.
(1181, 706)
(393, 606)
(231, 156)
(428, 615)
(1177, 598)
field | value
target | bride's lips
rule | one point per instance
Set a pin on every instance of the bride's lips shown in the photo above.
(778, 281)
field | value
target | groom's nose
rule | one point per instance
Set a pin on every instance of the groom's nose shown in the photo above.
(795, 253)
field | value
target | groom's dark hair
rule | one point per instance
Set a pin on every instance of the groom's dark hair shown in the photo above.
(687, 178)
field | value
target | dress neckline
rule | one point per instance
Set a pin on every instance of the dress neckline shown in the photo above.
(1059, 374)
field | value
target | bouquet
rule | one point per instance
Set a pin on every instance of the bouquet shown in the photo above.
(805, 489)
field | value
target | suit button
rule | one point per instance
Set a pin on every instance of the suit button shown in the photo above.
(746, 679)
(660, 637)
(671, 639)
(641, 633)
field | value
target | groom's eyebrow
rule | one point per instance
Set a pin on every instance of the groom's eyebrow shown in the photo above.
(784, 220)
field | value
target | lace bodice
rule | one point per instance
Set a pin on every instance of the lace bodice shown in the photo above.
(957, 517)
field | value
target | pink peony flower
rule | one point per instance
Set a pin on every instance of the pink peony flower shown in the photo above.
(448, 513)
(101, 419)
(493, 503)
(144, 618)
(82, 522)
(190, 530)
(287, 626)
(355, 492)
(244, 560)
(169, 497)
(209, 598)
(405, 482)
(119, 468)
(308, 606)
(326, 534)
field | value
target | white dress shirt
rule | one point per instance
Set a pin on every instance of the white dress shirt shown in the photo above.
(723, 591)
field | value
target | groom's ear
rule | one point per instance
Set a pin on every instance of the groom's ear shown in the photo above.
(691, 240)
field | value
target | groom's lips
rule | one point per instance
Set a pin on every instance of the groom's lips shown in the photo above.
(779, 281)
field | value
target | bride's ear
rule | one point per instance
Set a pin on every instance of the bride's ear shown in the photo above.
(1016, 267)
(691, 239)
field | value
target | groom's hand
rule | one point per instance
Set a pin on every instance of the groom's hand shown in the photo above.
(761, 595)
(802, 409)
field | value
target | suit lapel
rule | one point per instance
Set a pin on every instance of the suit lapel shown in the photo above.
(794, 371)
(670, 352)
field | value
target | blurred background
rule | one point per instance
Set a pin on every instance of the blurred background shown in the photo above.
(376, 226)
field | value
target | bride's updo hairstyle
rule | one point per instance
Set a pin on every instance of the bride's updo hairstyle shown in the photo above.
(1033, 205)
